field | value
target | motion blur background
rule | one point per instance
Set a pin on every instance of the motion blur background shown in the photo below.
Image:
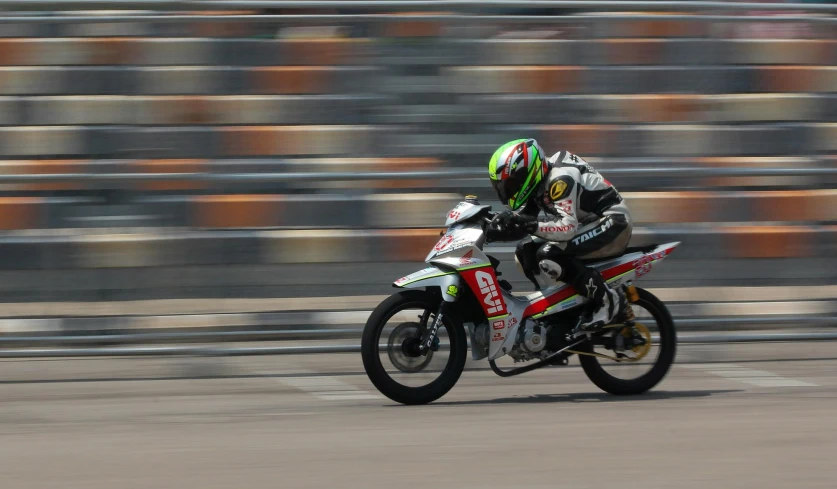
(205, 155)
(198, 178)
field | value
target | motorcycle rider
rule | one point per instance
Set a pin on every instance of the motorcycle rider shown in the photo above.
(585, 218)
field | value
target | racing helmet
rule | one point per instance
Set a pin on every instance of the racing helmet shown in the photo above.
(516, 170)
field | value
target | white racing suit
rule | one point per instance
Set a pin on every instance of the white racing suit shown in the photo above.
(584, 218)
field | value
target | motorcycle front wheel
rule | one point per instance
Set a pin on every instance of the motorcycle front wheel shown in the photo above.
(391, 331)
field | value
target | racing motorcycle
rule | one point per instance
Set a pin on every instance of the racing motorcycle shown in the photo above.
(423, 330)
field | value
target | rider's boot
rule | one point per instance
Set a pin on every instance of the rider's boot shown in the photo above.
(606, 303)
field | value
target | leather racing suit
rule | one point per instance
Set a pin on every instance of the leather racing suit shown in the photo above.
(584, 218)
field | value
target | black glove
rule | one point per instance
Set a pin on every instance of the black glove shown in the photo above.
(517, 222)
(508, 226)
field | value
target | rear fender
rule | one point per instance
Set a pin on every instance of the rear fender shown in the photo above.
(448, 282)
(645, 263)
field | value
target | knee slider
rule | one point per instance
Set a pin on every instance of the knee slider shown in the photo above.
(552, 269)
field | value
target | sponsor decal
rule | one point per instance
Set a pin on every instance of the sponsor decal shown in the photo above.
(555, 229)
(453, 290)
(557, 189)
(593, 232)
(467, 258)
(642, 265)
(490, 296)
(499, 324)
(591, 288)
(498, 337)
(433, 330)
(565, 206)
(459, 245)
(444, 242)
(576, 160)
(454, 214)
(484, 284)
(511, 322)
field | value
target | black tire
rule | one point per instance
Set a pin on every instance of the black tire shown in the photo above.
(668, 349)
(370, 350)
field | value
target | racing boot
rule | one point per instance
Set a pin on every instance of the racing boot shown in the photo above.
(607, 304)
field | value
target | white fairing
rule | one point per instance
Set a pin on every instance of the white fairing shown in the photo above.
(463, 211)
(458, 237)
(433, 277)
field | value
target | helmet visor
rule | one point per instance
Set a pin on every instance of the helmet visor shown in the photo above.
(508, 189)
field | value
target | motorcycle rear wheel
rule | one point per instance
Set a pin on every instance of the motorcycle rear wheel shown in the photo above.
(668, 347)
(371, 341)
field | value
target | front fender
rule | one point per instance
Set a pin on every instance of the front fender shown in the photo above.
(448, 282)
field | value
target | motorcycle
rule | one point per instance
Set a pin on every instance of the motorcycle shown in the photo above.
(461, 292)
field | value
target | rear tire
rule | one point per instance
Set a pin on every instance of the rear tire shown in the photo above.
(369, 348)
(668, 348)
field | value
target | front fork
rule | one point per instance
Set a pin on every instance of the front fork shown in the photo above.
(428, 337)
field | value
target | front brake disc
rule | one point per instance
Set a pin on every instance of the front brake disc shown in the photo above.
(400, 353)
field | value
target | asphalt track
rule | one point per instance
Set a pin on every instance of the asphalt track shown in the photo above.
(728, 416)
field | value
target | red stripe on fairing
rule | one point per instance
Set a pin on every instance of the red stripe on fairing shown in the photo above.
(542, 304)
(618, 270)
(668, 250)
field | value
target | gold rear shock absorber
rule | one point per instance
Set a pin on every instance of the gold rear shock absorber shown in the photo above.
(633, 296)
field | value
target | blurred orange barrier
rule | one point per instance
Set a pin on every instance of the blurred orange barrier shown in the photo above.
(293, 80)
(22, 213)
(295, 140)
(757, 206)
(798, 78)
(237, 211)
(518, 79)
(768, 241)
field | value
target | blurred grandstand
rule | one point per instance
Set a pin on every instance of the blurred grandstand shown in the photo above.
(246, 153)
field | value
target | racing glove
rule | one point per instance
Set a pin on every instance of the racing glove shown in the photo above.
(508, 226)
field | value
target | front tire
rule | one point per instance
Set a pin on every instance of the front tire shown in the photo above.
(370, 349)
(668, 347)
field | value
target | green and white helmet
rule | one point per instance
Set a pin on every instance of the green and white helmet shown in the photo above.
(516, 170)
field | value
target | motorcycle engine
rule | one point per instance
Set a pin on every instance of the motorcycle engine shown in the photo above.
(531, 340)
(534, 338)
